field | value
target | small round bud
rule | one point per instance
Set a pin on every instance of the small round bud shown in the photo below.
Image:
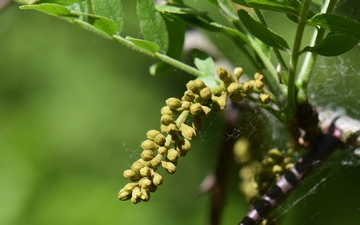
(196, 109)
(264, 98)
(160, 139)
(186, 105)
(224, 75)
(172, 155)
(162, 150)
(258, 76)
(206, 111)
(206, 93)
(124, 195)
(149, 145)
(156, 161)
(259, 84)
(131, 175)
(136, 166)
(145, 171)
(248, 87)
(241, 150)
(238, 72)
(130, 186)
(166, 120)
(189, 96)
(172, 129)
(135, 200)
(147, 155)
(289, 166)
(157, 179)
(151, 134)
(144, 182)
(145, 195)
(277, 169)
(187, 131)
(173, 103)
(166, 110)
(183, 147)
(169, 167)
(276, 154)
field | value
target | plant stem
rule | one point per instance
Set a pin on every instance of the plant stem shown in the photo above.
(291, 104)
(310, 58)
(160, 56)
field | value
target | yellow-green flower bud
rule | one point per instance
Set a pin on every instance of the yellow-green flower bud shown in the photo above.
(135, 200)
(206, 111)
(151, 134)
(147, 155)
(206, 93)
(186, 105)
(277, 169)
(192, 86)
(160, 139)
(173, 103)
(163, 128)
(130, 186)
(136, 166)
(166, 110)
(276, 154)
(258, 76)
(197, 123)
(145, 171)
(145, 195)
(238, 72)
(131, 175)
(189, 96)
(289, 166)
(157, 179)
(187, 131)
(172, 129)
(219, 103)
(124, 194)
(144, 182)
(234, 88)
(259, 84)
(248, 87)
(162, 150)
(196, 109)
(169, 167)
(224, 75)
(172, 155)
(241, 150)
(156, 161)
(149, 145)
(166, 120)
(264, 98)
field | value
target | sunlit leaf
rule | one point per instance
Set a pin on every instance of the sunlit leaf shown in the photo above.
(261, 32)
(338, 24)
(152, 24)
(50, 9)
(111, 9)
(205, 64)
(333, 45)
(144, 44)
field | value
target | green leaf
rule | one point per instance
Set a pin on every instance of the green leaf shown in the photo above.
(289, 7)
(203, 61)
(152, 24)
(50, 9)
(104, 24)
(263, 33)
(235, 35)
(91, 28)
(338, 24)
(26, 2)
(160, 69)
(144, 44)
(111, 9)
(180, 10)
(227, 8)
(60, 2)
(332, 45)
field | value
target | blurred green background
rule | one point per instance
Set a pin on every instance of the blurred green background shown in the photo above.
(75, 107)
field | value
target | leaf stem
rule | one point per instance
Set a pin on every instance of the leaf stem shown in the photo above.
(310, 58)
(160, 56)
(291, 104)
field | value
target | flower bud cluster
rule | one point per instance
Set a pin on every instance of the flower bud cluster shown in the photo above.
(159, 150)
(238, 90)
(258, 177)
